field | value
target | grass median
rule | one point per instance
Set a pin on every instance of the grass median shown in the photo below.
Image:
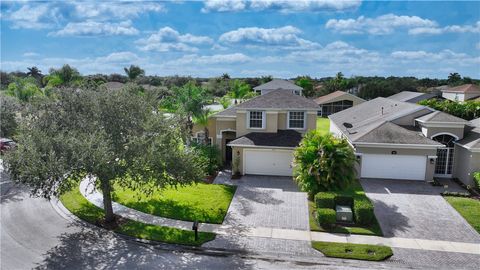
(353, 251)
(77, 204)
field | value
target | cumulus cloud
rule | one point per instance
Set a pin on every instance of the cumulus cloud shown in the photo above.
(475, 28)
(93, 28)
(381, 25)
(169, 39)
(34, 16)
(118, 10)
(284, 37)
(285, 6)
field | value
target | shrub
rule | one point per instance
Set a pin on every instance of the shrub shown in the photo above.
(323, 162)
(325, 200)
(342, 199)
(363, 211)
(326, 217)
(209, 155)
(476, 179)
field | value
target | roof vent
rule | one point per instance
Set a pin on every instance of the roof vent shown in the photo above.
(382, 110)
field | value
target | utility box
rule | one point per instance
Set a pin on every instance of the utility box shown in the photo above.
(344, 213)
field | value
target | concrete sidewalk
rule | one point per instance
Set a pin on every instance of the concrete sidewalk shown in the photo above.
(92, 195)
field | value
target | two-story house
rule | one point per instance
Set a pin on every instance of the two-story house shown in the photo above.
(259, 135)
(278, 84)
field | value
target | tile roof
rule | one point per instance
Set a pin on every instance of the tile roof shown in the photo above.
(283, 138)
(278, 84)
(326, 98)
(465, 88)
(413, 97)
(440, 117)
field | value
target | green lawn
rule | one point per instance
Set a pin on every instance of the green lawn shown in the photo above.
(355, 189)
(207, 203)
(468, 208)
(79, 206)
(353, 251)
(323, 125)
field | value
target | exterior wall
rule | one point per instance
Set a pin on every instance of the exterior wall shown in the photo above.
(469, 96)
(282, 120)
(430, 168)
(465, 164)
(272, 122)
(431, 131)
(210, 127)
(454, 96)
(409, 120)
(237, 153)
(241, 125)
(224, 126)
(311, 121)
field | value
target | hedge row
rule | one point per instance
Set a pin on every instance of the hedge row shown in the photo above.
(326, 217)
(362, 207)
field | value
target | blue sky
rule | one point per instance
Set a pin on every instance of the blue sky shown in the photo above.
(245, 38)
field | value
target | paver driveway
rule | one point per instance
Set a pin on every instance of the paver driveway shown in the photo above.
(268, 201)
(415, 209)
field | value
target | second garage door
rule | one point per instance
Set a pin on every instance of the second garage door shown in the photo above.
(268, 162)
(408, 167)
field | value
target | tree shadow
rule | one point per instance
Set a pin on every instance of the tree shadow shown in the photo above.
(390, 220)
(98, 249)
(11, 192)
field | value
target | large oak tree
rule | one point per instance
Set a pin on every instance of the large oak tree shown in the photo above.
(112, 136)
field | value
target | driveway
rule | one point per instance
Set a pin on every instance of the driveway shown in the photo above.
(268, 201)
(415, 209)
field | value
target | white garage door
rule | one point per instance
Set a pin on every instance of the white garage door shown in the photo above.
(394, 166)
(268, 161)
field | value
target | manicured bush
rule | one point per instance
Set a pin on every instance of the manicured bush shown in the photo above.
(476, 179)
(325, 200)
(342, 199)
(326, 217)
(363, 211)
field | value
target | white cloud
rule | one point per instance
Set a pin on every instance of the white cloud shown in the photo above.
(446, 57)
(35, 16)
(381, 25)
(285, 6)
(30, 54)
(475, 28)
(93, 28)
(117, 10)
(118, 57)
(284, 37)
(168, 39)
(234, 58)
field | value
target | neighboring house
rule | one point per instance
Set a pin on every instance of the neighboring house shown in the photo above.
(400, 140)
(462, 93)
(336, 102)
(278, 84)
(113, 85)
(260, 134)
(412, 97)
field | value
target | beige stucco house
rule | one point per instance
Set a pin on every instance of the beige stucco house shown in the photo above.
(400, 140)
(258, 136)
(462, 93)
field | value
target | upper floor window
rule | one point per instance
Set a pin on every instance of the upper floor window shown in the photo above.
(296, 120)
(200, 138)
(255, 119)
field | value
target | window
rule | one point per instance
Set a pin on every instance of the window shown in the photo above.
(258, 92)
(200, 138)
(296, 120)
(255, 119)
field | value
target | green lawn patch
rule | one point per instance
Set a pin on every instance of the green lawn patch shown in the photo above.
(353, 251)
(469, 209)
(323, 125)
(207, 203)
(354, 190)
(79, 206)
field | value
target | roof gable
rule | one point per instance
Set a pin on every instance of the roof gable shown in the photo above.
(276, 84)
(441, 117)
(465, 88)
(327, 98)
(388, 132)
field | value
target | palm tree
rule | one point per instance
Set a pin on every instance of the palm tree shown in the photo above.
(202, 120)
(238, 90)
(133, 72)
(34, 72)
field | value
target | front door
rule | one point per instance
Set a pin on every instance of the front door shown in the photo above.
(228, 151)
(444, 165)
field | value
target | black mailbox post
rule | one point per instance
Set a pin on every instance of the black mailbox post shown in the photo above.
(195, 228)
